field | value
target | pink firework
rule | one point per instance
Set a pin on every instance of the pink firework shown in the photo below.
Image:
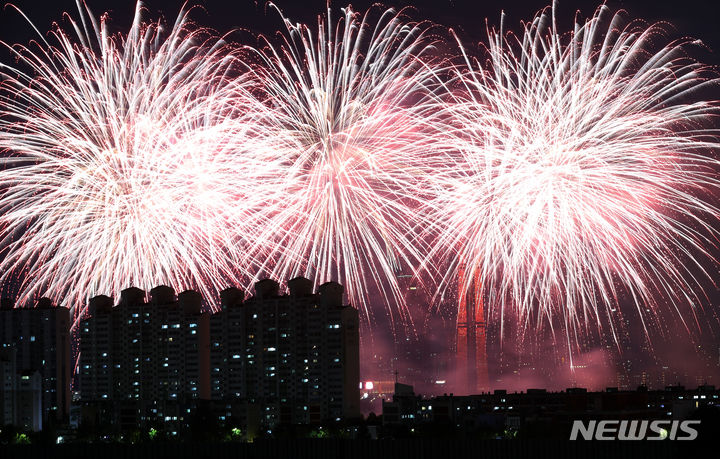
(582, 174)
(119, 166)
(343, 113)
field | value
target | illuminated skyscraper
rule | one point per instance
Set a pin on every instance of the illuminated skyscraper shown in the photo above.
(471, 335)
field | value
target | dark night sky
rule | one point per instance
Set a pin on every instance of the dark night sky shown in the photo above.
(697, 18)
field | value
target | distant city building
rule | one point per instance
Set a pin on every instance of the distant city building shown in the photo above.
(8, 385)
(402, 408)
(422, 349)
(285, 358)
(535, 409)
(28, 401)
(40, 336)
(143, 360)
(20, 393)
(471, 340)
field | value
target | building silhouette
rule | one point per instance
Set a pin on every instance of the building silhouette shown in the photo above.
(40, 339)
(143, 361)
(20, 393)
(290, 358)
(8, 385)
(539, 413)
(269, 359)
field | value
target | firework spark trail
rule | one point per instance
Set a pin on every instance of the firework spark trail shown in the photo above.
(119, 162)
(344, 110)
(574, 167)
(583, 170)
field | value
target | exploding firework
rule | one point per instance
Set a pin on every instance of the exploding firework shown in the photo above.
(582, 173)
(576, 168)
(118, 166)
(344, 112)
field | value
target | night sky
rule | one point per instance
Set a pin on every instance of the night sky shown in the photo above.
(695, 18)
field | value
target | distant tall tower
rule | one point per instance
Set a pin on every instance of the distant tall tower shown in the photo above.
(471, 327)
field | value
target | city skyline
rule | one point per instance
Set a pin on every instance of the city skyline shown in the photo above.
(431, 367)
(158, 357)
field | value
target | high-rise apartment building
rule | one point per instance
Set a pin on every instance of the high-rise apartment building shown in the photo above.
(40, 336)
(286, 358)
(8, 385)
(20, 393)
(269, 359)
(144, 360)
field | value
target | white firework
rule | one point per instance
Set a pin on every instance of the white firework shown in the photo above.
(119, 166)
(583, 173)
(345, 111)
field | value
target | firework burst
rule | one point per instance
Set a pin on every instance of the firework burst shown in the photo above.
(344, 113)
(582, 172)
(118, 164)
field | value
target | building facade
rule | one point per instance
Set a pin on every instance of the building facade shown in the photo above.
(8, 385)
(278, 359)
(40, 336)
(143, 360)
(262, 361)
